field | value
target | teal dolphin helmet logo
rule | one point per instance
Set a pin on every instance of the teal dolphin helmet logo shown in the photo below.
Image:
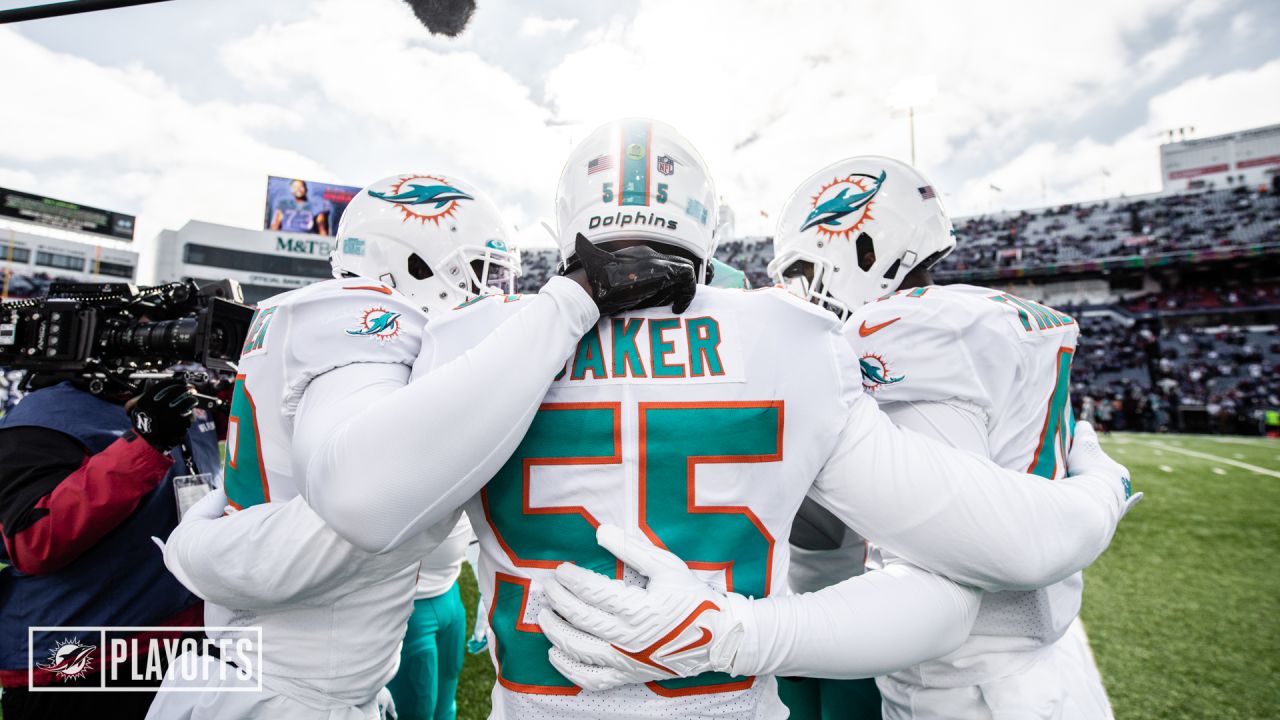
(839, 199)
(434, 199)
(378, 322)
(496, 244)
(875, 372)
(424, 195)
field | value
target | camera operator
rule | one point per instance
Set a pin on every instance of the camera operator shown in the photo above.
(86, 480)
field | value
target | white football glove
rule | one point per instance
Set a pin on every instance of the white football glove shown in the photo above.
(212, 506)
(618, 634)
(1086, 457)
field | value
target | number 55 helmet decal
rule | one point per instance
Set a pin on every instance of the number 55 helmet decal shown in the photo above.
(434, 238)
(637, 179)
(848, 211)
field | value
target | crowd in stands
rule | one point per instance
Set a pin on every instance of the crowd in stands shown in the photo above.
(1069, 233)
(1116, 228)
(1211, 297)
(1131, 377)
(750, 255)
(538, 265)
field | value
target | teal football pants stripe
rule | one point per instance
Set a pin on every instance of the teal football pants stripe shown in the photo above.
(823, 699)
(426, 687)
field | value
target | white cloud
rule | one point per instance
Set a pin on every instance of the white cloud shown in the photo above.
(13, 178)
(810, 87)
(1243, 24)
(1164, 58)
(125, 139)
(534, 26)
(1221, 103)
(1073, 171)
(448, 108)
(767, 90)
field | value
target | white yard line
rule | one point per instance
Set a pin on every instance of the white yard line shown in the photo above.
(1215, 458)
(1251, 442)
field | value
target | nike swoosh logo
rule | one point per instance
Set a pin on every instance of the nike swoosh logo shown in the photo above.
(645, 656)
(865, 330)
(375, 288)
(706, 638)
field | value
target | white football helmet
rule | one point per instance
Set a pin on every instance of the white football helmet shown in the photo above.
(434, 238)
(862, 204)
(637, 179)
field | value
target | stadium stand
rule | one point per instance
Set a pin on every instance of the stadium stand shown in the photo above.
(538, 265)
(1142, 228)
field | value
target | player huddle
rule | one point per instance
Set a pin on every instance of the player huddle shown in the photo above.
(635, 448)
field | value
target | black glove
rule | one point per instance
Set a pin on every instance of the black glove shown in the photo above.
(636, 277)
(162, 413)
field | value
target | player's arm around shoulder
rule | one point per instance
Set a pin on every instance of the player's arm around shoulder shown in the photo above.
(402, 460)
(452, 333)
(221, 557)
(961, 515)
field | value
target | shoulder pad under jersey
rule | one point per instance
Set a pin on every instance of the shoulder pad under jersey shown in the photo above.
(336, 323)
(935, 343)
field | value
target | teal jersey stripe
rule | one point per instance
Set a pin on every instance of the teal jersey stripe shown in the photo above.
(1045, 463)
(633, 182)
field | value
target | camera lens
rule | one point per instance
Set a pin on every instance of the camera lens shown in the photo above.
(165, 338)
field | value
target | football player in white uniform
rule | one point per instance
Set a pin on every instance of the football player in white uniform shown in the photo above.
(338, 352)
(975, 368)
(704, 433)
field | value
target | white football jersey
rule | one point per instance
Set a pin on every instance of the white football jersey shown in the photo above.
(343, 641)
(704, 431)
(294, 338)
(1008, 361)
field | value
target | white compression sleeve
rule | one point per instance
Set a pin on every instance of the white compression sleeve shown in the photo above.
(959, 514)
(276, 555)
(955, 424)
(874, 624)
(406, 461)
(881, 622)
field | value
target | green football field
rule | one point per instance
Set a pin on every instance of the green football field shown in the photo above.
(1183, 612)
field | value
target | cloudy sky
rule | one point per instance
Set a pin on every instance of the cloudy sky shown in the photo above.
(181, 110)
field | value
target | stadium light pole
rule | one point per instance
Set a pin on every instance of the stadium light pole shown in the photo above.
(911, 95)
